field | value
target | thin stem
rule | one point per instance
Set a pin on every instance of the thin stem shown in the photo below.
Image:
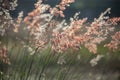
(31, 63)
(47, 58)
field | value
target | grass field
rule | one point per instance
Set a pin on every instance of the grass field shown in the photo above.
(73, 65)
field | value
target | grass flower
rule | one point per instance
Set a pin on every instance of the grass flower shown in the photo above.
(3, 55)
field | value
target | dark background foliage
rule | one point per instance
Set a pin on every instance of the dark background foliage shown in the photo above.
(88, 8)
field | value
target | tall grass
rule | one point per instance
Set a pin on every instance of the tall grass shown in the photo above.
(50, 49)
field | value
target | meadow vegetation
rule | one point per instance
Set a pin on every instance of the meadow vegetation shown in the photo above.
(40, 46)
